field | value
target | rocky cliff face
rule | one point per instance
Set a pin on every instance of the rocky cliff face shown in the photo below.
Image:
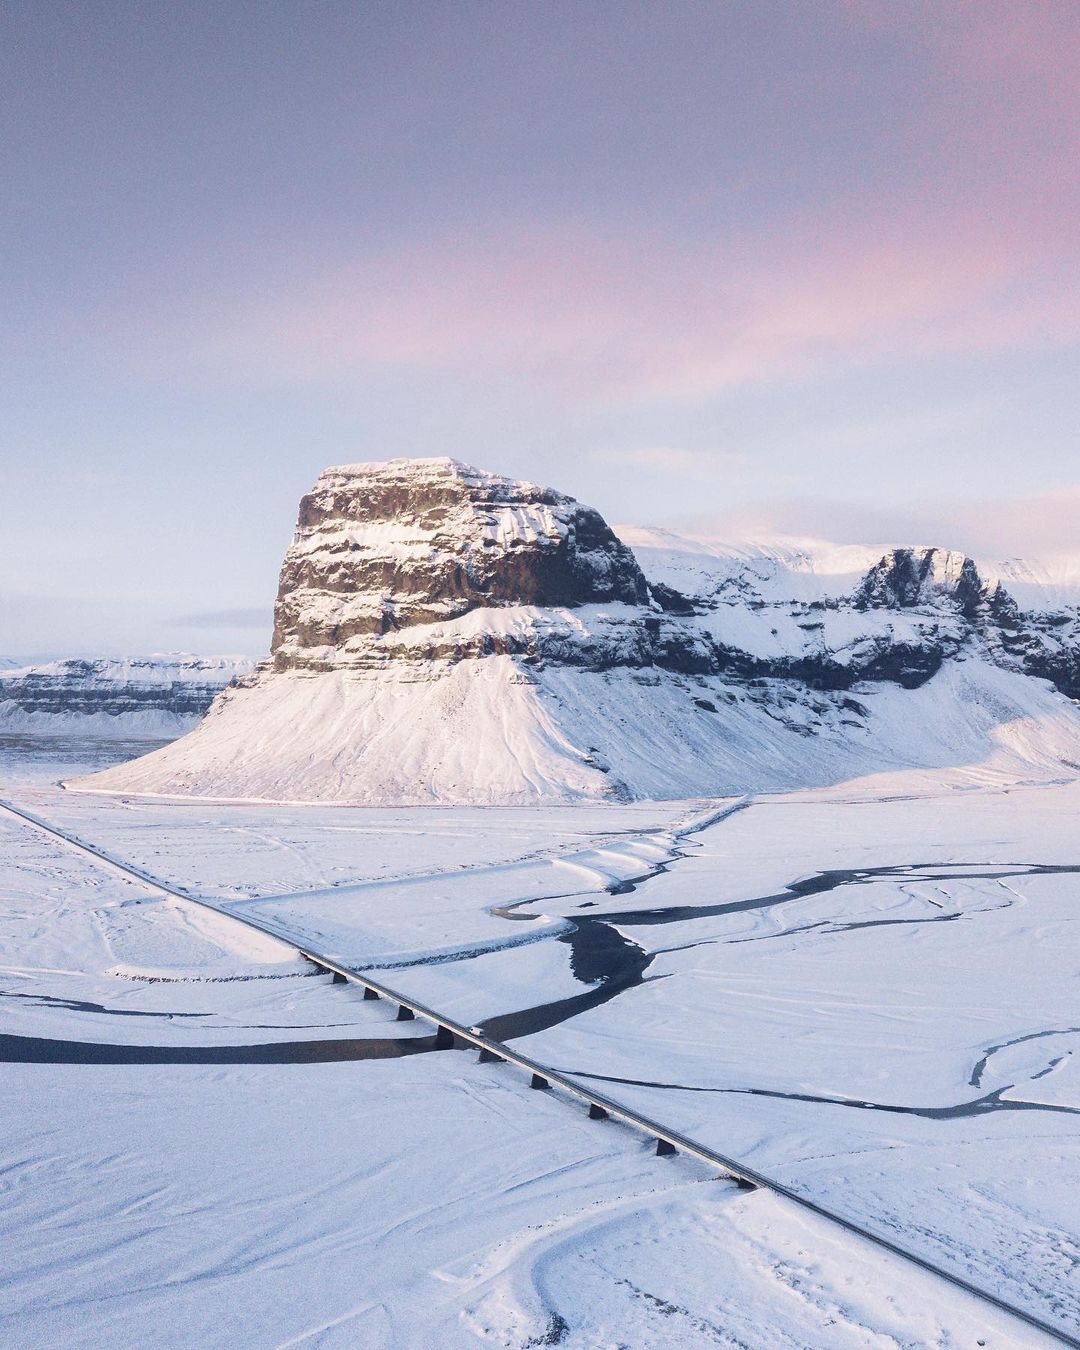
(432, 561)
(1044, 642)
(831, 618)
(384, 547)
(927, 578)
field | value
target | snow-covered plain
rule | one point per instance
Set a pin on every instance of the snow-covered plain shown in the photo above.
(896, 1036)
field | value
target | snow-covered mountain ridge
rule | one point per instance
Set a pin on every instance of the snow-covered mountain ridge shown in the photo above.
(419, 561)
(831, 615)
(160, 695)
(443, 633)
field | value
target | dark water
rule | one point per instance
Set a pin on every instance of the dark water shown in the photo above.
(980, 1068)
(609, 961)
(82, 1005)
(41, 1050)
(823, 882)
(601, 957)
(981, 1106)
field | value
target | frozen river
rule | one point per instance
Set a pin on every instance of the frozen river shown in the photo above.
(869, 992)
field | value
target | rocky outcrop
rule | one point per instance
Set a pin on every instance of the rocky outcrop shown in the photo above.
(1041, 643)
(383, 547)
(430, 562)
(910, 578)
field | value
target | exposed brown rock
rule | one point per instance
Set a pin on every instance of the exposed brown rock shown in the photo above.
(382, 547)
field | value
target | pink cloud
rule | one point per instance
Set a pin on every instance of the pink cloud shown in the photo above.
(586, 311)
(968, 243)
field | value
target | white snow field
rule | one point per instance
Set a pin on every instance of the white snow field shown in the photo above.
(868, 991)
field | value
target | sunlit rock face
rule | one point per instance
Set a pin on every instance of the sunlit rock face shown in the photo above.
(909, 578)
(384, 547)
(430, 562)
(1043, 641)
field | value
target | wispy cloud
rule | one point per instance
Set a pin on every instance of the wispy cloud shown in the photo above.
(257, 617)
(666, 459)
(1040, 526)
(595, 314)
(968, 244)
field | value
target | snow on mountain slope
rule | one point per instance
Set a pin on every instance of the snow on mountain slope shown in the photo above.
(785, 568)
(444, 634)
(159, 695)
(773, 570)
(479, 732)
(814, 610)
(1051, 584)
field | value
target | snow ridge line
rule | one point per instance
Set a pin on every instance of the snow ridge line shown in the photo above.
(713, 817)
(545, 1077)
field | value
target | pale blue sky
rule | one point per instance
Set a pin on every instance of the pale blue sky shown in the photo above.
(810, 267)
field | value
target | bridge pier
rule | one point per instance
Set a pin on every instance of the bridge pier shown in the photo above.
(444, 1039)
(370, 993)
(405, 1014)
(339, 978)
(487, 1056)
(664, 1149)
(539, 1082)
(597, 1112)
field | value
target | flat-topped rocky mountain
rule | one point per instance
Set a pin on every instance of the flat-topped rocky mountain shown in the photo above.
(445, 633)
(383, 547)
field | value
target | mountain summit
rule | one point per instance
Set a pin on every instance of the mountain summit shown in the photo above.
(447, 634)
(384, 547)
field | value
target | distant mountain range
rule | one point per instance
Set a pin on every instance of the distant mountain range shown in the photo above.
(157, 696)
(448, 634)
